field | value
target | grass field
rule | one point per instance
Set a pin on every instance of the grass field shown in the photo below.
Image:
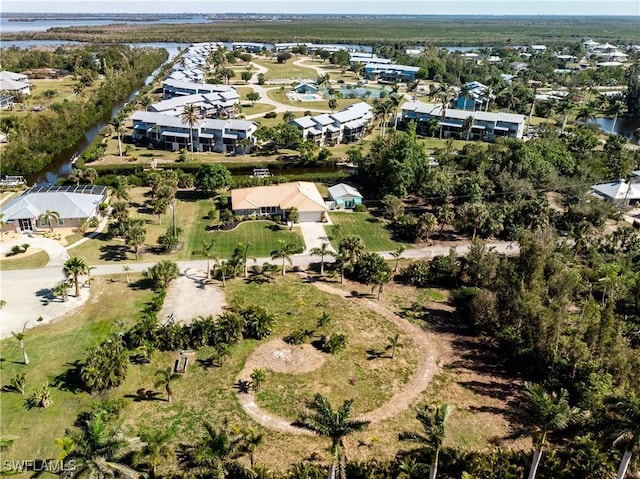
(284, 71)
(373, 233)
(282, 97)
(52, 348)
(31, 261)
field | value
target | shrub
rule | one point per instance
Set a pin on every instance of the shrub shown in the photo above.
(14, 250)
(334, 343)
(226, 216)
(94, 222)
(299, 336)
(18, 383)
(41, 397)
(213, 215)
(271, 114)
(360, 208)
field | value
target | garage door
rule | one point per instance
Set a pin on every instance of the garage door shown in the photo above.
(310, 216)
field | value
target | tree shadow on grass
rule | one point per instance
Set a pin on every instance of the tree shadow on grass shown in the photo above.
(143, 394)
(70, 380)
(114, 252)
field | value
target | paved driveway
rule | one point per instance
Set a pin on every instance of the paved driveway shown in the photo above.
(314, 235)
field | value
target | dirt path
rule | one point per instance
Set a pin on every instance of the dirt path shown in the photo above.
(401, 401)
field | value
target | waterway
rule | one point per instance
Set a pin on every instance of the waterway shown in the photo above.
(60, 164)
(625, 125)
(35, 23)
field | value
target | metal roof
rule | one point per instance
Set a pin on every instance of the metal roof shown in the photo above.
(67, 201)
(342, 189)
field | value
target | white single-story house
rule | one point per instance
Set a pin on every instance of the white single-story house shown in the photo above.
(72, 203)
(276, 199)
(619, 192)
(343, 196)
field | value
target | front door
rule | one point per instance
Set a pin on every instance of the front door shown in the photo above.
(25, 224)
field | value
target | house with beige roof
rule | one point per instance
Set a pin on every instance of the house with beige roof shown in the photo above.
(277, 199)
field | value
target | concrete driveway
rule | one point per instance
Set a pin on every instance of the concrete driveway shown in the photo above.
(314, 235)
(28, 292)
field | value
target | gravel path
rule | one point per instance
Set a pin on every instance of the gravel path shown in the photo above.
(401, 401)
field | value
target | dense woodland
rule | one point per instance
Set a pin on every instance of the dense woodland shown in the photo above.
(36, 137)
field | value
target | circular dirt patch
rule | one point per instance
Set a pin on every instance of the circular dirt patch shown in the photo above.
(285, 358)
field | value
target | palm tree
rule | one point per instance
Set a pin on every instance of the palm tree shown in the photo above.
(242, 252)
(464, 92)
(207, 252)
(467, 125)
(118, 125)
(257, 378)
(156, 447)
(353, 246)
(189, 116)
(343, 262)
(615, 109)
(75, 266)
(96, 450)
(625, 412)
(21, 337)
(215, 455)
(252, 440)
(49, 217)
(586, 113)
(284, 252)
(397, 253)
(166, 376)
(335, 425)
(126, 268)
(564, 108)
(433, 420)
(322, 251)
(446, 214)
(394, 343)
(542, 412)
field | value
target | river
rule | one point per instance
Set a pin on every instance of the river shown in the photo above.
(60, 165)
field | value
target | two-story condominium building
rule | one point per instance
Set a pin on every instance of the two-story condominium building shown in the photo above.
(209, 104)
(344, 126)
(14, 83)
(172, 88)
(453, 122)
(391, 73)
(476, 97)
(170, 132)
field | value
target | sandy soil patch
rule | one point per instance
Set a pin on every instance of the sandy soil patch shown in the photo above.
(191, 295)
(285, 358)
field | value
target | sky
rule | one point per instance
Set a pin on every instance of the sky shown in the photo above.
(425, 7)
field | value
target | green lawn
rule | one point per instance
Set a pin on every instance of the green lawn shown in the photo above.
(284, 71)
(373, 233)
(52, 349)
(264, 237)
(33, 261)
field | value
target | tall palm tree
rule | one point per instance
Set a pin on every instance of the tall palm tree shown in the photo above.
(156, 448)
(97, 450)
(335, 425)
(433, 420)
(49, 217)
(75, 266)
(126, 268)
(284, 252)
(21, 337)
(541, 413)
(118, 126)
(625, 412)
(323, 250)
(564, 108)
(215, 455)
(189, 116)
(467, 125)
(586, 113)
(394, 343)
(166, 377)
(615, 108)
(207, 252)
(242, 252)
(353, 246)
